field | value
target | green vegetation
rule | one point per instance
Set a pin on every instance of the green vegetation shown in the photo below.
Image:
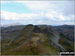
(34, 42)
(67, 44)
(33, 48)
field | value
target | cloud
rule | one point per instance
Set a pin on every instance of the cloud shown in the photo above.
(16, 16)
(38, 5)
(3, 2)
(43, 12)
(54, 10)
(35, 16)
(65, 7)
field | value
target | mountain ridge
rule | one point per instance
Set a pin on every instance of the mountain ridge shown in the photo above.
(31, 37)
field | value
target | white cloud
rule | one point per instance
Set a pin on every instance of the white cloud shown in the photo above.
(35, 16)
(36, 5)
(39, 5)
(66, 7)
(66, 18)
(4, 1)
(44, 10)
(15, 16)
(52, 15)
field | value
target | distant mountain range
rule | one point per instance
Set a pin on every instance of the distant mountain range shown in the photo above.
(37, 39)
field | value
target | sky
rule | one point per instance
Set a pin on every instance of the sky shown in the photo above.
(37, 12)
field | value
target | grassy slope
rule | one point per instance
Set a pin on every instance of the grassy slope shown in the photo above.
(33, 47)
(67, 44)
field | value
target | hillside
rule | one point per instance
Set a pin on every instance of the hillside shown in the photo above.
(67, 30)
(34, 40)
